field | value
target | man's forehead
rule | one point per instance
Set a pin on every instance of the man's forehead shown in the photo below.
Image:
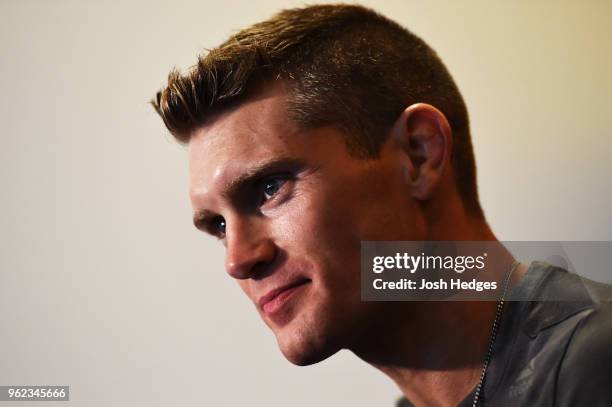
(257, 117)
(255, 132)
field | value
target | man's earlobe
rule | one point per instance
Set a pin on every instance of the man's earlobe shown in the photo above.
(424, 136)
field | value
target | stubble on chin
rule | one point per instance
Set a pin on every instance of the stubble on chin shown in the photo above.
(305, 340)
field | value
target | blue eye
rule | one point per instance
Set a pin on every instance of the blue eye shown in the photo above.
(219, 225)
(271, 187)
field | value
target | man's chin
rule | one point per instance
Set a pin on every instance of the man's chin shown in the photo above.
(303, 350)
(305, 357)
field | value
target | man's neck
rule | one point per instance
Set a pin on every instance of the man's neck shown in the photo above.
(434, 350)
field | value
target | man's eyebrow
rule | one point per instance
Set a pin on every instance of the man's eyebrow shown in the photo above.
(259, 171)
(248, 177)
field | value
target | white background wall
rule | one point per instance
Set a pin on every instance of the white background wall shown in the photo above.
(106, 286)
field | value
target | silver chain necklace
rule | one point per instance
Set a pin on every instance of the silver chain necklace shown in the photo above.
(494, 329)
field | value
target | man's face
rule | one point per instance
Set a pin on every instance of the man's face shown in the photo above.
(291, 208)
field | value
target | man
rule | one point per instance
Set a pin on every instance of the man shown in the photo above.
(331, 125)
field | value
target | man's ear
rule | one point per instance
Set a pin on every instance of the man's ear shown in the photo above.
(425, 137)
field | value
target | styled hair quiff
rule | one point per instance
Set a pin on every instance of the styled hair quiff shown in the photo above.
(345, 65)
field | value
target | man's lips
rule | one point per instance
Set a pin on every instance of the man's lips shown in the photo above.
(276, 298)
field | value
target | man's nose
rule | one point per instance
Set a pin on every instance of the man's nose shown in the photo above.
(249, 250)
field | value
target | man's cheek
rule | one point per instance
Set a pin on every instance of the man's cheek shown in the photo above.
(298, 222)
